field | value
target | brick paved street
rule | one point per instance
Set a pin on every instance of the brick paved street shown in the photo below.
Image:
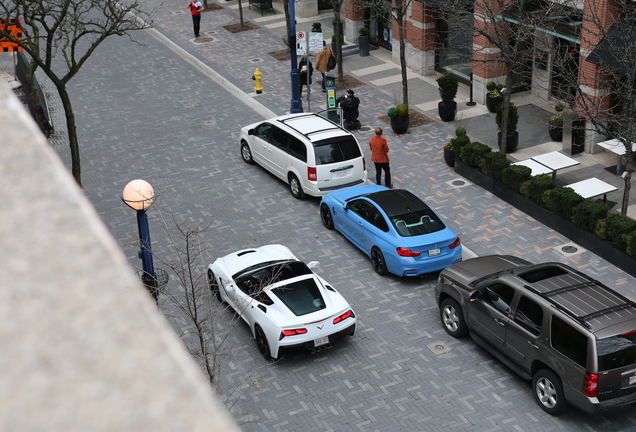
(143, 112)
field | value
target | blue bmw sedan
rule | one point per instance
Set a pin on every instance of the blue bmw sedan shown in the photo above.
(396, 229)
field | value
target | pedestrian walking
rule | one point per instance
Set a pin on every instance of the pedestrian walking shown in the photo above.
(195, 9)
(304, 77)
(379, 156)
(322, 62)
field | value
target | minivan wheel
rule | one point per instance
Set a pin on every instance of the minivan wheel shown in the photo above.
(378, 262)
(325, 216)
(450, 313)
(295, 187)
(246, 153)
(548, 392)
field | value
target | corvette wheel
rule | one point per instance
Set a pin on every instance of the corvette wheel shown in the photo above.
(261, 342)
(378, 262)
(325, 216)
(295, 187)
(214, 286)
(246, 153)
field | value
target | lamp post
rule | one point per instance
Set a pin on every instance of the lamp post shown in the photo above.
(296, 104)
(139, 195)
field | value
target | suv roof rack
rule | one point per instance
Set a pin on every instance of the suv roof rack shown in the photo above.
(623, 302)
(331, 124)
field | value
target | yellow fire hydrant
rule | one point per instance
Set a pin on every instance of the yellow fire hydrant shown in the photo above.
(259, 85)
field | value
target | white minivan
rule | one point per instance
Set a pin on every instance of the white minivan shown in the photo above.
(311, 153)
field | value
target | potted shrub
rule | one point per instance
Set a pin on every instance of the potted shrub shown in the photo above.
(316, 27)
(556, 124)
(494, 96)
(399, 118)
(447, 108)
(453, 147)
(512, 140)
(334, 42)
(363, 41)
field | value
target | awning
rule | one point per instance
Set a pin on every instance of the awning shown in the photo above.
(617, 48)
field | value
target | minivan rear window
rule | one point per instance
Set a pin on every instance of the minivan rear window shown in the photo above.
(616, 352)
(336, 150)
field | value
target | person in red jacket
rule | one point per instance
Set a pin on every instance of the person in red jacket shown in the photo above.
(195, 9)
(379, 156)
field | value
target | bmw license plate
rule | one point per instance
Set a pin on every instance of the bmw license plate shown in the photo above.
(433, 252)
(321, 341)
(632, 380)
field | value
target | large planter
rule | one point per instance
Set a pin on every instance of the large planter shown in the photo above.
(447, 112)
(556, 132)
(400, 124)
(363, 43)
(584, 238)
(449, 157)
(492, 102)
(512, 142)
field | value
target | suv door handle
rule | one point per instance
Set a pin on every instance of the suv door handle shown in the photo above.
(500, 322)
(535, 346)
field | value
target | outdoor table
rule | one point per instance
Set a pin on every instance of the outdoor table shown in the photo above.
(555, 161)
(616, 147)
(535, 166)
(592, 187)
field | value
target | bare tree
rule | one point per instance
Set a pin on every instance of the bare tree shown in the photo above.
(338, 35)
(60, 35)
(606, 96)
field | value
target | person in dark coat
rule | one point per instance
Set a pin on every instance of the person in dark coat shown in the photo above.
(350, 106)
(304, 76)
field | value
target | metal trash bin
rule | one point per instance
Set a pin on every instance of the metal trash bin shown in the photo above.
(573, 134)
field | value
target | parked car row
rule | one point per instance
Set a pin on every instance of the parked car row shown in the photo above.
(573, 337)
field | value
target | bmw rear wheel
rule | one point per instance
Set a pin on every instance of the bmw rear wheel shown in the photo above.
(246, 153)
(214, 286)
(325, 216)
(378, 262)
(295, 187)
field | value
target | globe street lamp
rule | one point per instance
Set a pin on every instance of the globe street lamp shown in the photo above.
(139, 195)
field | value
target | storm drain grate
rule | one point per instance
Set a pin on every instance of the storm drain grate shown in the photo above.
(457, 183)
(569, 249)
(439, 348)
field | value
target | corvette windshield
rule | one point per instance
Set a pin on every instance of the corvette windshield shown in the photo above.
(301, 297)
(269, 273)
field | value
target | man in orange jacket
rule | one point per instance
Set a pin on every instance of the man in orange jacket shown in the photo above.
(379, 156)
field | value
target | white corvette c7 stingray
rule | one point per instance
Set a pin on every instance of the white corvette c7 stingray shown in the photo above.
(282, 300)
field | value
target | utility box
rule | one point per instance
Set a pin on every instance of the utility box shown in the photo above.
(330, 92)
(573, 134)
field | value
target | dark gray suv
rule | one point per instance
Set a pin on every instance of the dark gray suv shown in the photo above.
(572, 336)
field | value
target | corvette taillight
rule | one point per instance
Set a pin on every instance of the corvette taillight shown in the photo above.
(343, 317)
(311, 174)
(293, 332)
(407, 252)
(456, 243)
(590, 384)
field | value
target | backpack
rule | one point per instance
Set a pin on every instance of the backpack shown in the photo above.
(331, 63)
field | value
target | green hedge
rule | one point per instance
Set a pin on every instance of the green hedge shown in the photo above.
(617, 226)
(471, 154)
(562, 201)
(493, 164)
(588, 213)
(534, 188)
(630, 242)
(515, 175)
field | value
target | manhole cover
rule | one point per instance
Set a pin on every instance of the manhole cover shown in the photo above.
(459, 182)
(439, 347)
(204, 39)
(569, 249)
(365, 128)
(256, 60)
